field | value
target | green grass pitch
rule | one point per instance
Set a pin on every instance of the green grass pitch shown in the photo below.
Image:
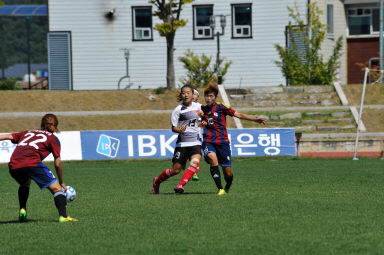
(276, 206)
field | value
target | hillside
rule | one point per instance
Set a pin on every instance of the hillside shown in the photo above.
(60, 101)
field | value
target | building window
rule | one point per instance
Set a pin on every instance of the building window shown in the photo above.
(241, 20)
(201, 15)
(330, 19)
(142, 23)
(363, 21)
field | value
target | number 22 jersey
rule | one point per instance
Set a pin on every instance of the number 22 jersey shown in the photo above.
(32, 147)
(187, 116)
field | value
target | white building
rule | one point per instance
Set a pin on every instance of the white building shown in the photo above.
(85, 46)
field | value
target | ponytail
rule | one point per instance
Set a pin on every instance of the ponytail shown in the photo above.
(49, 123)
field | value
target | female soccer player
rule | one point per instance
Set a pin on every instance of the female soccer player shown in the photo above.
(26, 163)
(196, 95)
(216, 145)
(185, 121)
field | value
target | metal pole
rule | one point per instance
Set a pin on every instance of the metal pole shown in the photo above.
(381, 39)
(361, 111)
(29, 52)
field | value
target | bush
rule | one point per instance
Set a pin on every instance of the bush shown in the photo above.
(200, 70)
(159, 90)
(306, 66)
(9, 84)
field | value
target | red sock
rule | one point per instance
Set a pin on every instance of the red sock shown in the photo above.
(164, 175)
(198, 167)
(191, 170)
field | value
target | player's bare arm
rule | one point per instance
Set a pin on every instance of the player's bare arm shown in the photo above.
(249, 117)
(6, 137)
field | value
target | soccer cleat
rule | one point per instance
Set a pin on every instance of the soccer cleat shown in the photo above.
(195, 177)
(155, 186)
(22, 215)
(226, 190)
(221, 192)
(179, 189)
(63, 219)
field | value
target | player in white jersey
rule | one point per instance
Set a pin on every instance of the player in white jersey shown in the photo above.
(196, 95)
(185, 120)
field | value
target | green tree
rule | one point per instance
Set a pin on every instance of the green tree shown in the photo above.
(169, 13)
(13, 34)
(303, 67)
(200, 70)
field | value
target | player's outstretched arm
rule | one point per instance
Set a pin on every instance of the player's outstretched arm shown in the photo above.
(249, 117)
(6, 137)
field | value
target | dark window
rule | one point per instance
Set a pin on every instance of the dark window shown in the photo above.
(201, 16)
(242, 15)
(376, 20)
(363, 21)
(242, 20)
(330, 18)
(142, 23)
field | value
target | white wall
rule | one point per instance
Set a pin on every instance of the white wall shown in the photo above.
(340, 28)
(97, 62)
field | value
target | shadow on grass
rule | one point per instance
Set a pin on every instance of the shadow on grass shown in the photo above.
(25, 222)
(185, 193)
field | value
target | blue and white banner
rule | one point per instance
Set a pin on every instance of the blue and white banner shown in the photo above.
(126, 144)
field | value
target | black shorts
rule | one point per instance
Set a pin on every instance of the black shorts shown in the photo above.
(182, 154)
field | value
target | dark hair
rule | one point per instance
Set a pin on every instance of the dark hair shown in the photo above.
(186, 85)
(211, 88)
(49, 123)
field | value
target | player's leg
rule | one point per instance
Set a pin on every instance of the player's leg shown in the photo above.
(228, 176)
(179, 162)
(193, 167)
(167, 173)
(225, 160)
(45, 179)
(21, 176)
(209, 151)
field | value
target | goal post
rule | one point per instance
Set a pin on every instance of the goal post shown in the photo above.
(359, 122)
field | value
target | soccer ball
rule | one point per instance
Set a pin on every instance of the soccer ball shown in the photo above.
(70, 194)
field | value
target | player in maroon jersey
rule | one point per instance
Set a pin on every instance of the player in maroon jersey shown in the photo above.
(216, 147)
(26, 163)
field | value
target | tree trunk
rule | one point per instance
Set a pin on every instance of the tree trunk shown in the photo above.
(170, 65)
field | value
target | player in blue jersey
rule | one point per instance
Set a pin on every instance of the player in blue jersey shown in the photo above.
(216, 145)
(185, 121)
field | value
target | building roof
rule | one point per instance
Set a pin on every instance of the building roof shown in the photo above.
(23, 10)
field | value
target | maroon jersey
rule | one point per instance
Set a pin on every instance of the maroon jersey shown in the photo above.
(216, 130)
(32, 147)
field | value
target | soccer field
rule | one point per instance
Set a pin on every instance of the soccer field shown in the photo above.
(276, 206)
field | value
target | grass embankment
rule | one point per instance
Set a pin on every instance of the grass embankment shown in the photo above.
(373, 119)
(57, 101)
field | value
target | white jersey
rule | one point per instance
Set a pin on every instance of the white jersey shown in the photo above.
(187, 116)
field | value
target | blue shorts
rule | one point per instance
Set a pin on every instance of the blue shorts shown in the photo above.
(223, 152)
(40, 174)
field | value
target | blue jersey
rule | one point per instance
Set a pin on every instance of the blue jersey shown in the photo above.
(216, 130)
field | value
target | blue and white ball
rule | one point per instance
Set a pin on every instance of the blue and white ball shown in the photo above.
(70, 194)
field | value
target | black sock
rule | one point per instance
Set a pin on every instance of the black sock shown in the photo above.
(61, 203)
(23, 196)
(229, 180)
(216, 176)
